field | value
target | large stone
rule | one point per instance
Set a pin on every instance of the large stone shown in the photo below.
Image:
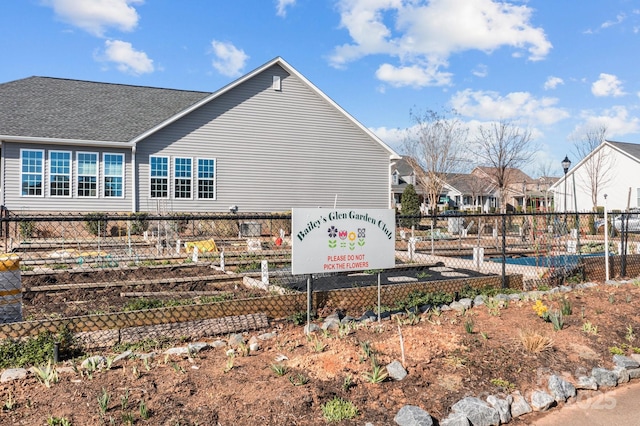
(541, 401)
(625, 362)
(587, 382)
(466, 302)
(124, 355)
(410, 415)
(502, 406)
(12, 374)
(560, 388)
(182, 350)
(634, 374)
(605, 378)
(457, 306)
(623, 374)
(455, 419)
(477, 411)
(396, 370)
(478, 300)
(519, 406)
(236, 339)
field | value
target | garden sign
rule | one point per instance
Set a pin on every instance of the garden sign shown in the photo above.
(335, 240)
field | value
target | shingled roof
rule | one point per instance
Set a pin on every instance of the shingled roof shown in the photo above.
(82, 110)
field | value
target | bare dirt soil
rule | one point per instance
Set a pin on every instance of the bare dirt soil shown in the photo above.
(446, 357)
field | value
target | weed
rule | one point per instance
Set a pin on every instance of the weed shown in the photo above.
(506, 385)
(565, 307)
(339, 409)
(367, 349)
(484, 335)
(614, 350)
(243, 349)
(347, 383)
(468, 326)
(46, 374)
(10, 403)
(103, 401)
(612, 299)
(58, 421)
(589, 328)
(35, 350)
(378, 373)
(279, 369)
(535, 342)
(177, 368)
(135, 373)
(344, 329)
(124, 400)
(630, 336)
(127, 419)
(146, 363)
(493, 306)
(299, 379)
(144, 410)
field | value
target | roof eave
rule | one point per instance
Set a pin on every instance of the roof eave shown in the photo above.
(59, 141)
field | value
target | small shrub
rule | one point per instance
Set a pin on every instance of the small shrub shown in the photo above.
(299, 379)
(339, 409)
(279, 369)
(378, 374)
(96, 223)
(504, 384)
(614, 350)
(535, 342)
(58, 421)
(589, 328)
(47, 375)
(468, 326)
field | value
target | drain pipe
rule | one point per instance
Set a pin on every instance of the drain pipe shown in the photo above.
(606, 240)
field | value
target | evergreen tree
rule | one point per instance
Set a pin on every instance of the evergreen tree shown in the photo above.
(410, 206)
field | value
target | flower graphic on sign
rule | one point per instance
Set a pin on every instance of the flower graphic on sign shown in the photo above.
(342, 235)
(333, 231)
(352, 236)
(361, 232)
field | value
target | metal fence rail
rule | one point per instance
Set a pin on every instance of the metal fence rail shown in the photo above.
(110, 277)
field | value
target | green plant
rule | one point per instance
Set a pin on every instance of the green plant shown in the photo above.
(46, 374)
(58, 421)
(177, 368)
(367, 349)
(614, 350)
(484, 335)
(279, 369)
(96, 223)
(347, 383)
(103, 401)
(26, 228)
(338, 409)
(378, 373)
(298, 379)
(630, 336)
(298, 318)
(127, 419)
(468, 326)
(35, 350)
(589, 328)
(10, 403)
(565, 307)
(231, 357)
(556, 318)
(139, 223)
(612, 299)
(144, 410)
(493, 306)
(410, 207)
(124, 400)
(504, 384)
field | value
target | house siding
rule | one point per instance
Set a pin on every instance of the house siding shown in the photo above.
(274, 150)
(14, 201)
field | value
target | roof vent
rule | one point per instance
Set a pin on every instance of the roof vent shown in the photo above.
(277, 85)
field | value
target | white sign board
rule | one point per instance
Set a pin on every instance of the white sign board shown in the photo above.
(334, 240)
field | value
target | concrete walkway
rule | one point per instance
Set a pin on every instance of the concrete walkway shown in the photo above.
(619, 407)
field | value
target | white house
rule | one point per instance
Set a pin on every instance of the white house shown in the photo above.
(613, 168)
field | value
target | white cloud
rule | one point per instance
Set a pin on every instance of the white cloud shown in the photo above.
(619, 19)
(552, 82)
(490, 105)
(127, 58)
(392, 137)
(424, 35)
(480, 71)
(95, 16)
(617, 120)
(413, 75)
(281, 6)
(607, 85)
(229, 59)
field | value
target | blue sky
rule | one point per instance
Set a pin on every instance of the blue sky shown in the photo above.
(556, 67)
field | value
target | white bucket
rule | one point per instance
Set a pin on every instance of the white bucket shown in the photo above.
(10, 289)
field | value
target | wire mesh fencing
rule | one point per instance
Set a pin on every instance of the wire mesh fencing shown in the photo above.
(112, 279)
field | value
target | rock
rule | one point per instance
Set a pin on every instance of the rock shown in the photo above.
(604, 377)
(477, 411)
(425, 308)
(120, 357)
(560, 388)
(368, 315)
(541, 401)
(219, 344)
(634, 373)
(311, 328)
(478, 300)
(267, 336)
(457, 306)
(635, 357)
(12, 374)
(94, 362)
(280, 358)
(587, 382)
(622, 374)
(519, 406)
(332, 322)
(625, 362)
(396, 370)
(455, 419)
(410, 415)
(148, 355)
(183, 350)
(196, 347)
(466, 302)
(444, 308)
(236, 339)
(514, 297)
(565, 288)
(347, 319)
(502, 406)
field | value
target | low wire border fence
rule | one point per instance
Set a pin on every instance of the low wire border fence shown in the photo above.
(113, 279)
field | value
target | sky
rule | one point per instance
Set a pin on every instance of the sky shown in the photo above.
(555, 68)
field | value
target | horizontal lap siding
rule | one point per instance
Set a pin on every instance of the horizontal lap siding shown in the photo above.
(275, 150)
(16, 203)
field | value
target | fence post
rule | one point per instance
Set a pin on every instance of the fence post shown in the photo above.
(504, 250)
(309, 302)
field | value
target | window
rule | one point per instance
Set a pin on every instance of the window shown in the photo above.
(395, 178)
(113, 165)
(206, 178)
(159, 173)
(31, 172)
(182, 177)
(60, 173)
(87, 163)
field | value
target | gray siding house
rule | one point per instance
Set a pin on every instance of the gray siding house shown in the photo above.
(269, 141)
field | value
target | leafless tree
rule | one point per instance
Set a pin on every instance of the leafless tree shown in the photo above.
(503, 146)
(434, 145)
(598, 165)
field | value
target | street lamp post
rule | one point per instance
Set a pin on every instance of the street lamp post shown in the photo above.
(566, 163)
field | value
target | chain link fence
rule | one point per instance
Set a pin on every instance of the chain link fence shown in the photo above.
(113, 279)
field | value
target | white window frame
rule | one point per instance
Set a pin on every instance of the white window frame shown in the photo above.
(41, 173)
(395, 178)
(159, 177)
(176, 178)
(68, 175)
(215, 179)
(105, 175)
(79, 175)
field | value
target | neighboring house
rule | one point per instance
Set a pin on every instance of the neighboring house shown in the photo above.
(617, 168)
(269, 141)
(403, 175)
(470, 192)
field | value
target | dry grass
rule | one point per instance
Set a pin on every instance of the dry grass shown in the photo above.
(534, 342)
